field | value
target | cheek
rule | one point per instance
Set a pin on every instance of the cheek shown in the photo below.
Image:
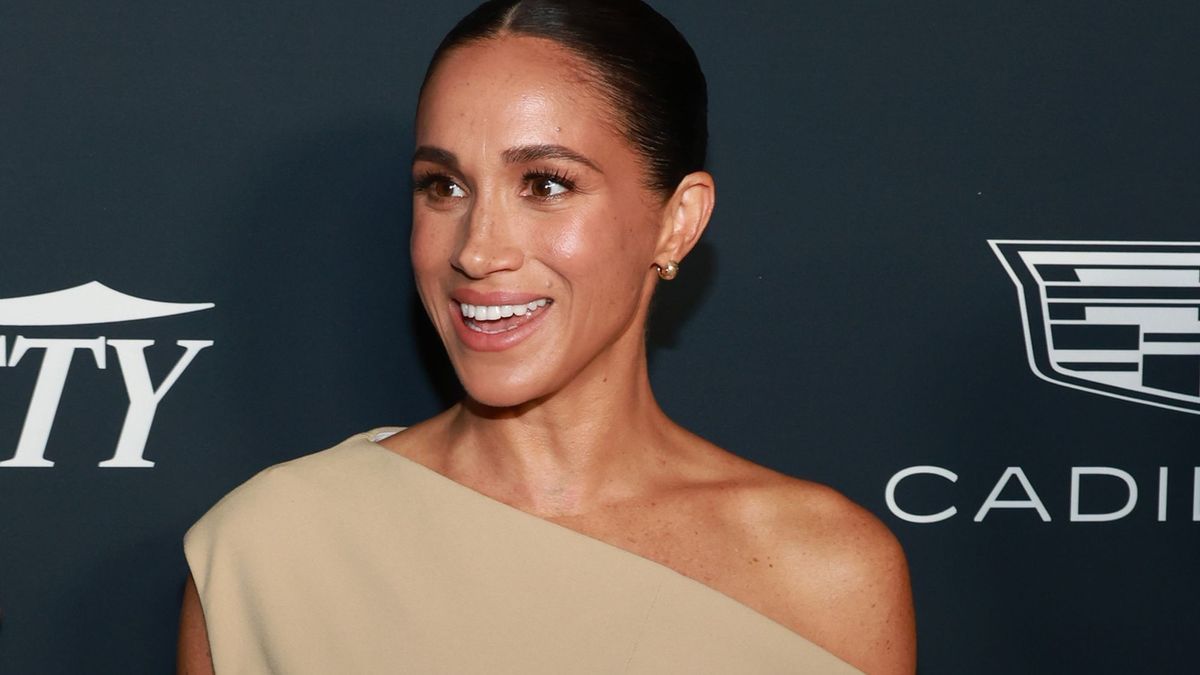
(568, 244)
(602, 257)
(428, 248)
(602, 244)
(430, 251)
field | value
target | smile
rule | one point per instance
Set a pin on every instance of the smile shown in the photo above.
(494, 319)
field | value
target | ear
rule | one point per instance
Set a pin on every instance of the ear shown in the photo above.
(685, 216)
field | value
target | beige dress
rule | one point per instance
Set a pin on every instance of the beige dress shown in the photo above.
(359, 560)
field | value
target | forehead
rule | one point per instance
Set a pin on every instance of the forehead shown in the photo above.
(514, 90)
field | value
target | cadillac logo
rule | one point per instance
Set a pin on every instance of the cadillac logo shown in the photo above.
(1120, 319)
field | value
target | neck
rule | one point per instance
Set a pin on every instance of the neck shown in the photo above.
(587, 444)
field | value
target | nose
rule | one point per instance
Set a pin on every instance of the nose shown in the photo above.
(488, 243)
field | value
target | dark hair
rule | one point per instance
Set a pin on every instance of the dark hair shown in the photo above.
(647, 70)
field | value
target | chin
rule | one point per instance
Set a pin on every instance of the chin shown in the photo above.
(501, 390)
(499, 397)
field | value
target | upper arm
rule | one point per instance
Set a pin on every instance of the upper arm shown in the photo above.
(868, 618)
(193, 656)
(844, 582)
(876, 608)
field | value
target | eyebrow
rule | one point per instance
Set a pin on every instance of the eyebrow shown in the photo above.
(532, 153)
(428, 153)
(518, 155)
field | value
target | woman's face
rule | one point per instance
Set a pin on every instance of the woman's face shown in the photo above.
(533, 237)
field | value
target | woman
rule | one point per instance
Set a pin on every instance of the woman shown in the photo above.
(554, 521)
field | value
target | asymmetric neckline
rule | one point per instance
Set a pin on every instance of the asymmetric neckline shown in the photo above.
(346, 560)
(373, 437)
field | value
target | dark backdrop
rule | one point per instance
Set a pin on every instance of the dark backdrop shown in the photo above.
(844, 319)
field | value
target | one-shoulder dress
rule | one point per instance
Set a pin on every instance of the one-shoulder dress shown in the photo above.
(359, 560)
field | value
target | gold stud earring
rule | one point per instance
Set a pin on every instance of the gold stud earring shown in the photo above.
(668, 271)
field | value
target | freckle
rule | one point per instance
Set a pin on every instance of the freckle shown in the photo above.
(755, 559)
(770, 565)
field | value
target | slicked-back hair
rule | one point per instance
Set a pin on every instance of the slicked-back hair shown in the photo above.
(647, 71)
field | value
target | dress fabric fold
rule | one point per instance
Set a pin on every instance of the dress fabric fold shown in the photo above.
(359, 560)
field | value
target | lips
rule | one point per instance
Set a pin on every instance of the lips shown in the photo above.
(495, 322)
(494, 319)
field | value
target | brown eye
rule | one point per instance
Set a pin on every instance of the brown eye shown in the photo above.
(544, 187)
(438, 187)
(444, 188)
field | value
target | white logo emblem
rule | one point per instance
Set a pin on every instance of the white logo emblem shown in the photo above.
(91, 303)
(1120, 319)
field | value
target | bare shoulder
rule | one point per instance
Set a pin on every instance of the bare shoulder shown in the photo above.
(830, 530)
(838, 574)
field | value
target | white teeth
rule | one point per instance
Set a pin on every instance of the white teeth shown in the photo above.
(496, 312)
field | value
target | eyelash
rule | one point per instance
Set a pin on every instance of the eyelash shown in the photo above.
(552, 175)
(426, 180)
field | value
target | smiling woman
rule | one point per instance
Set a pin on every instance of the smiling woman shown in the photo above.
(555, 520)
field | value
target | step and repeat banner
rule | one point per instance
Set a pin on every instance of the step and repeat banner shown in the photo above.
(954, 272)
